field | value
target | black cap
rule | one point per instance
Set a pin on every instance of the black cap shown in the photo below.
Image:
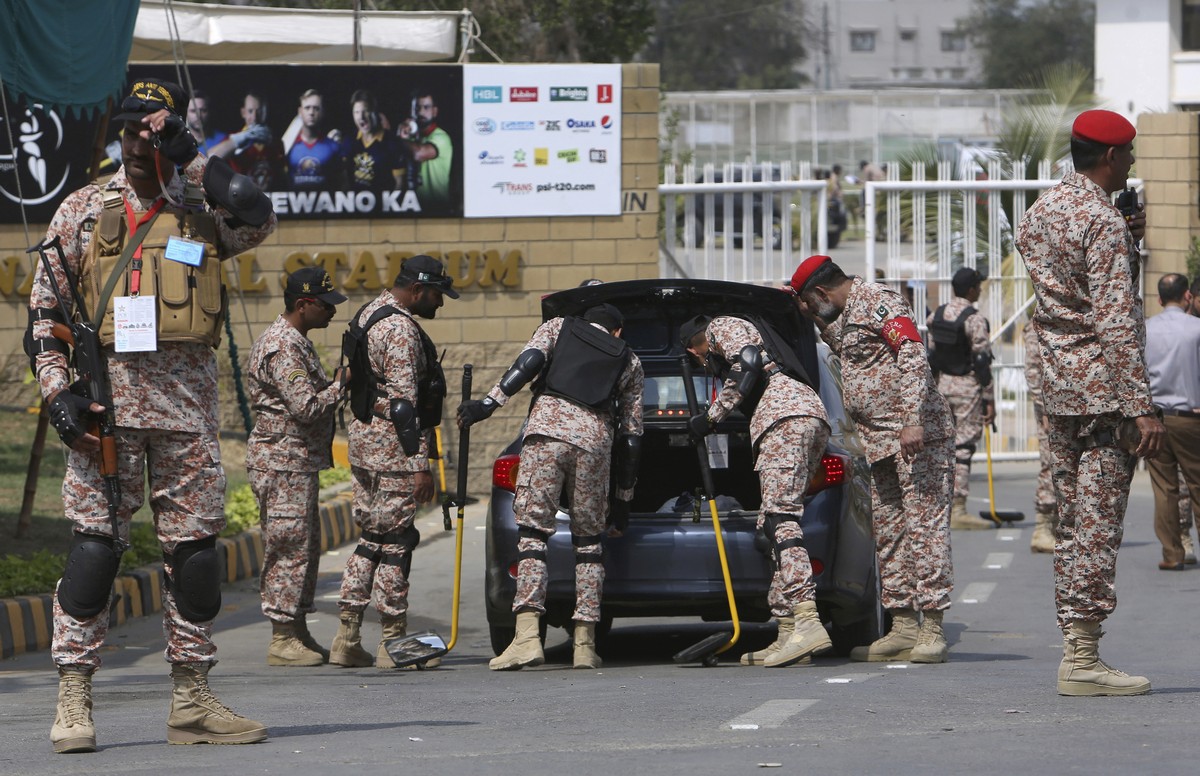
(315, 283)
(965, 279)
(237, 193)
(428, 271)
(606, 315)
(150, 95)
(689, 329)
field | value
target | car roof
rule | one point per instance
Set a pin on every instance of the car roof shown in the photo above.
(655, 308)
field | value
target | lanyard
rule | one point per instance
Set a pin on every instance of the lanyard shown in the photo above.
(133, 222)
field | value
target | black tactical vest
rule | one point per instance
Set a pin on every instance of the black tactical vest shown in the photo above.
(951, 352)
(586, 364)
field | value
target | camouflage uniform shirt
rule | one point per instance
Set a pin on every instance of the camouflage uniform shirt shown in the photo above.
(395, 352)
(782, 398)
(1090, 323)
(173, 388)
(293, 401)
(885, 389)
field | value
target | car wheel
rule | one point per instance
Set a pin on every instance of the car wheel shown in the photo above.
(501, 635)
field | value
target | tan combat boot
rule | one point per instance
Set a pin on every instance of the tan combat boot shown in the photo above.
(526, 646)
(585, 645)
(397, 628)
(931, 641)
(963, 520)
(786, 626)
(287, 649)
(73, 730)
(198, 716)
(1189, 547)
(347, 647)
(896, 645)
(306, 638)
(808, 638)
(1043, 533)
(1082, 672)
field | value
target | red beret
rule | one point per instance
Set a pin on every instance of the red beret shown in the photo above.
(1103, 126)
(806, 270)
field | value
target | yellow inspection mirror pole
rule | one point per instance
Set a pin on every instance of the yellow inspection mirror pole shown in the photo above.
(706, 651)
(440, 454)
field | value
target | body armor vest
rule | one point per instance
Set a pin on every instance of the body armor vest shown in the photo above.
(191, 301)
(951, 353)
(586, 364)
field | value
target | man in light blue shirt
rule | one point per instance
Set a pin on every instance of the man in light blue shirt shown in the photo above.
(1173, 365)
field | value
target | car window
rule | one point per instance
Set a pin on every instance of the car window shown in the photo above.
(664, 395)
(647, 335)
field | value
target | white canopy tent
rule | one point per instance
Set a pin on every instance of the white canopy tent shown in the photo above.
(245, 33)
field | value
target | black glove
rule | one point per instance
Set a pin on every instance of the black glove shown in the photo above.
(176, 142)
(618, 515)
(700, 426)
(67, 413)
(470, 412)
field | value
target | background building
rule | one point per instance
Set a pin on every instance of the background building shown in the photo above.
(1148, 55)
(874, 44)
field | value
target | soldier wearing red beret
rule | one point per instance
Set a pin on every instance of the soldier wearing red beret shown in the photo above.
(908, 435)
(1082, 257)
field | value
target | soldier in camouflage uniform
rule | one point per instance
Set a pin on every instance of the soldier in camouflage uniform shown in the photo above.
(788, 431)
(294, 404)
(389, 458)
(582, 366)
(1082, 257)
(1043, 499)
(960, 353)
(165, 397)
(908, 435)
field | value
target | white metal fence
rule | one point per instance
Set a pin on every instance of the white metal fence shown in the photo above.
(918, 232)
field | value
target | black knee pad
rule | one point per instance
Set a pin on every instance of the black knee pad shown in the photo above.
(87, 580)
(196, 579)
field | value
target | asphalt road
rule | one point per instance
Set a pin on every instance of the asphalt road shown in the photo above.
(991, 709)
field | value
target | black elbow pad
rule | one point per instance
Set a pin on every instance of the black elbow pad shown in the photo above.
(525, 368)
(983, 369)
(404, 420)
(750, 360)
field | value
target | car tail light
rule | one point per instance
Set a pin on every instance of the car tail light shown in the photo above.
(504, 472)
(817, 566)
(831, 473)
(512, 570)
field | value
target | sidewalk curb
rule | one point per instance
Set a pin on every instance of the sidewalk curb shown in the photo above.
(27, 622)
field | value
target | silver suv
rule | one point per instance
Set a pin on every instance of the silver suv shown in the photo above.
(666, 564)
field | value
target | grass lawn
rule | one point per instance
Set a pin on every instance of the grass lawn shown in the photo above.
(49, 529)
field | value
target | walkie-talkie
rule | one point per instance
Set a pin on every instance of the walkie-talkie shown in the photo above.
(1127, 203)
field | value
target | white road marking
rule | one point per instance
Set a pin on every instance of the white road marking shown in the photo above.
(771, 714)
(1008, 534)
(998, 560)
(977, 592)
(850, 678)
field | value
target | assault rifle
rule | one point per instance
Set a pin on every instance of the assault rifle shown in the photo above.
(91, 372)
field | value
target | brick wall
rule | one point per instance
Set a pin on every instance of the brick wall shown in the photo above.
(502, 267)
(1167, 149)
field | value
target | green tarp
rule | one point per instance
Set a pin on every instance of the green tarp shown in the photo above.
(69, 54)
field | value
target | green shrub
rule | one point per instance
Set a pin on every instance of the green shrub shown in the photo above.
(241, 511)
(29, 576)
(143, 547)
(334, 476)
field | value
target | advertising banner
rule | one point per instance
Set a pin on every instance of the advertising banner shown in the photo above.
(324, 141)
(541, 140)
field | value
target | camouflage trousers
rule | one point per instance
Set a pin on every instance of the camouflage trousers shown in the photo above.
(966, 404)
(291, 531)
(549, 468)
(788, 456)
(1091, 484)
(910, 502)
(377, 571)
(187, 497)
(1043, 498)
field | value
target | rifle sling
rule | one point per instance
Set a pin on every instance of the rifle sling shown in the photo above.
(119, 269)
